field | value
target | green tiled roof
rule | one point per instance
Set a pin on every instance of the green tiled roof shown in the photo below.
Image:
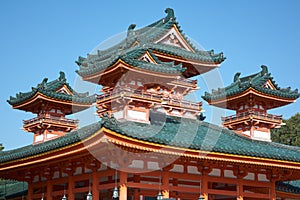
(35, 149)
(255, 81)
(130, 56)
(173, 131)
(289, 186)
(200, 135)
(11, 189)
(146, 38)
(49, 89)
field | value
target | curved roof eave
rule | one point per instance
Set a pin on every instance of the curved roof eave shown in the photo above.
(228, 147)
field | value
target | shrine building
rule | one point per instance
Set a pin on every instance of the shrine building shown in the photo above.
(150, 142)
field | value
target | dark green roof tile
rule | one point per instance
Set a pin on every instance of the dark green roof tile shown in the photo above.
(11, 189)
(35, 149)
(255, 81)
(49, 89)
(130, 57)
(199, 135)
(146, 38)
(289, 186)
(174, 131)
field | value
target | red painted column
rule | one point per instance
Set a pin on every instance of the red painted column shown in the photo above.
(71, 187)
(204, 171)
(205, 186)
(30, 190)
(272, 190)
(240, 189)
(123, 186)
(136, 194)
(240, 173)
(95, 184)
(165, 184)
(49, 190)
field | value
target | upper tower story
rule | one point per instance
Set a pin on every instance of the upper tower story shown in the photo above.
(149, 70)
(51, 102)
(251, 97)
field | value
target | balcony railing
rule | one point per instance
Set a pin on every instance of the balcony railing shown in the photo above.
(183, 104)
(254, 114)
(164, 99)
(50, 119)
(122, 92)
(185, 81)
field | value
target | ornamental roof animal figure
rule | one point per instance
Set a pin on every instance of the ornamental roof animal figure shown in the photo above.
(43, 84)
(236, 76)
(170, 13)
(130, 29)
(62, 76)
(264, 69)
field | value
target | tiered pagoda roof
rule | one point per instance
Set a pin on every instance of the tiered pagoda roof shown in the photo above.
(261, 83)
(181, 136)
(57, 90)
(152, 40)
(130, 57)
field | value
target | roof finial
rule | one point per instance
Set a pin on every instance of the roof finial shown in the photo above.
(62, 76)
(170, 13)
(236, 76)
(43, 84)
(44, 81)
(130, 29)
(264, 69)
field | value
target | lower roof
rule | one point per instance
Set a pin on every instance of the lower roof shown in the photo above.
(169, 131)
(289, 186)
(11, 189)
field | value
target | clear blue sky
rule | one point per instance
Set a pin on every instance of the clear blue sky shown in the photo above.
(40, 38)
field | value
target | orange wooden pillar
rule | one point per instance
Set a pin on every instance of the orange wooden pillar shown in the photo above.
(204, 171)
(272, 190)
(165, 184)
(95, 184)
(123, 186)
(205, 186)
(49, 190)
(30, 191)
(136, 194)
(240, 174)
(71, 188)
(240, 195)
